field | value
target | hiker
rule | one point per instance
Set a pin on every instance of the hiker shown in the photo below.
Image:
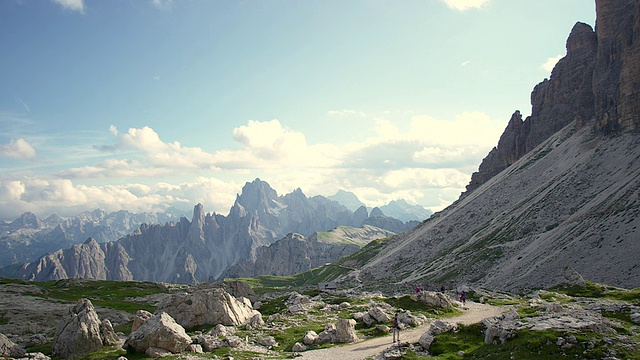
(417, 289)
(463, 297)
(395, 328)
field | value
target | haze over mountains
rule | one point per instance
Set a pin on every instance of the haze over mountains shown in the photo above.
(558, 198)
(186, 251)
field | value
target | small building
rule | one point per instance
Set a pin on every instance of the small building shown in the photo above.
(324, 286)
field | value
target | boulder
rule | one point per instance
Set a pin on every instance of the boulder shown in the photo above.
(434, 299)
(109, 336)
(208, 307)
(78, 331)
(379, 315)
(328, 335)
(346, 331)
(438, 327)
(195, 348)
(140, 318)
(208, 342)
(9, 349)
(268, 341)
(426, 340)
(255, 322)
(160, 331)
(635, 317)
(310, 338)
(297, 347)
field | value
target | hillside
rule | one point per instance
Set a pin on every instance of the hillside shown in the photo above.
(559, 196)
(295, 253)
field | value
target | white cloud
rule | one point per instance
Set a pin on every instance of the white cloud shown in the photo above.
(551, 62)
(421, 159)
(344, 113)
(18, 149)
(465, 63)
(463, 5)
(73, 5)
(163, 4)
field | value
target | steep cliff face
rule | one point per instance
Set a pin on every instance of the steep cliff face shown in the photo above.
(534, 214)
(616, 79)
(596, 85)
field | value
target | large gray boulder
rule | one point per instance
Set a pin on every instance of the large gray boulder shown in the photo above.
(9, 349)
(207, 307)
(346, 331)
(79, 332)
(160, 331)
(434, 299)
(140, 318)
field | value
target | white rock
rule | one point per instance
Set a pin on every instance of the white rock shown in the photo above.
(160, 331)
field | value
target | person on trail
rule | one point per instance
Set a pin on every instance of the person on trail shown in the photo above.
(417, 289)
(395, 328)
(463, 297)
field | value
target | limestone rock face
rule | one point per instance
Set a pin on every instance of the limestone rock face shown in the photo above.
(140, 318)
(566, 97)
(160, 331)
(78, 331)
(616, 77)
(207, 307)
(346, 331)
(10, 349)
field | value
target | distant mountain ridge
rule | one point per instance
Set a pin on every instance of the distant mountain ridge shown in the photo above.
(203, 249)
(27, 237)
(398, 209)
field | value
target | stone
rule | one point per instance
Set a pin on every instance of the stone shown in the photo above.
(160, 331)
(344, 305)
(268, 341)
(297, 347)
(155, 352)
(635, 317)
(211, 306)
(139, 319)
(109, 336)
(78, 331)
(434, 299)
(426, 340)
(379, 315)
(9, 349)
(310, 338)
(209, 342)
(255, 322)
(346, 331)
(328, 335)
(195, 348)
(234, 341)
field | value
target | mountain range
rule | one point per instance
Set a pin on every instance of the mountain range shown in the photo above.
(206, 247)
(558, 199)
(398, 209)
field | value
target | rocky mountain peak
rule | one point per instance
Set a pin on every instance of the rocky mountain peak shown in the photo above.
(28, 220)
(581, 36)
(257, 195)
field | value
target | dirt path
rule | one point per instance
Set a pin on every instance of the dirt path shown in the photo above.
(473, 313)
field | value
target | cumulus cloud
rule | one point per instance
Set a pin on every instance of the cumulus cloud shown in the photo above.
(551, 62)
(463, 5)
(73, 5)
(18, 149)
(421, 159)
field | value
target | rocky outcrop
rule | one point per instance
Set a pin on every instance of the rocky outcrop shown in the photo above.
(207, 307)
(616, 77)
(564, 98)
(295, 253)
(434, 299)
(160, 331)
(81, 332)
(346, 331)
(597, 84)
(10, 349)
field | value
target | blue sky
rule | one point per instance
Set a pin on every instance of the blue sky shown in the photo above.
(145, 104)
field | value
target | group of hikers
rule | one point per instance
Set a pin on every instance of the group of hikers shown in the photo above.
(395, 322)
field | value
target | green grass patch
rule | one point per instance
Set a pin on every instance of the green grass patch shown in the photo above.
(112, 294)
(593, 290)
(407, 303)
(467, 339)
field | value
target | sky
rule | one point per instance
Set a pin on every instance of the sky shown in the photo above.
(146, 104)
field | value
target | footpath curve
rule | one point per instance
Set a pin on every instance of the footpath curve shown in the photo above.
(473, 313)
